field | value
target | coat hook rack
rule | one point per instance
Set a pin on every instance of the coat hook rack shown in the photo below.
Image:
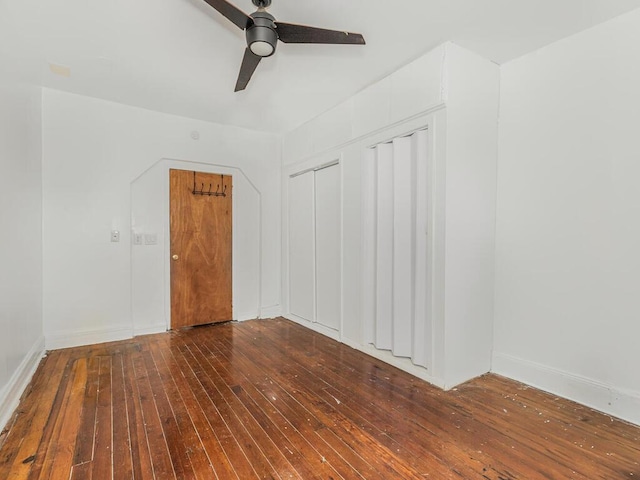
(209, 192)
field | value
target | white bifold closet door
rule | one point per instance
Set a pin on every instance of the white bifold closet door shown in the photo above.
(395, 248)
(315, 254)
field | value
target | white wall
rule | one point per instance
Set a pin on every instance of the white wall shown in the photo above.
(149, 312)
(21, 341)
(454, 95)
(472, 97)
(93, 151)
(568, 232)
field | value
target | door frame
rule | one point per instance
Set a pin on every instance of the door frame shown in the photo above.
(204, 168)
(151, 297)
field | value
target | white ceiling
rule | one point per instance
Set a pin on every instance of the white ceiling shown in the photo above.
(182, 57)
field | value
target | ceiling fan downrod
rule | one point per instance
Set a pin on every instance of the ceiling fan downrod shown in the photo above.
(262, 3)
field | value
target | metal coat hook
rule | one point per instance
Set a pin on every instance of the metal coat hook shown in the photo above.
(209, 193)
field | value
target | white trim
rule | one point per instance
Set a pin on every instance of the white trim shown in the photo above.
(316, 327)
(315, 169)
(169, 164)
(13, 390)
(403, 364)
(76, 338)
(243, 316)
(340, 163)
(373, 137)
(271, 311)
(150, 330)
(624, 404)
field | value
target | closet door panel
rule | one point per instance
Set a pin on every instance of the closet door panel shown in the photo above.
(384, 248)
(328, 247)
(422, 339)
(302, 246)
(369, 228)
(403, 246)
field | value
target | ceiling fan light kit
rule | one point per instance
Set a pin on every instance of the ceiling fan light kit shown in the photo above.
(261, 36)
(263, 32)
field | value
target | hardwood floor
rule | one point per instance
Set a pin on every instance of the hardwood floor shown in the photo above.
(270, 399)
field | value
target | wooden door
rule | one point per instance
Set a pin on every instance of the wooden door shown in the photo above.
(201, 247)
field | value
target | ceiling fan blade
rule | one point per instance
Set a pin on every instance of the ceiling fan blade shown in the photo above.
(249, 64)
(292, 33)
(237, 16)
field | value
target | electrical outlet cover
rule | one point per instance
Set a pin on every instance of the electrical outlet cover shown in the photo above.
(151, 239)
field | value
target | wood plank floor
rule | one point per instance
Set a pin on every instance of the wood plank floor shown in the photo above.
(270, 399)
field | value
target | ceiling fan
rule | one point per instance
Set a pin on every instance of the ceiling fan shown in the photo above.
(263, 32)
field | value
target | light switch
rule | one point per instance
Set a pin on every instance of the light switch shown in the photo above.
(115, 236)
(137, 238)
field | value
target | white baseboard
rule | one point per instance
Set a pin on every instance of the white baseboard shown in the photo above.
(244, 316)
(327, 332)
(76, 338)
(271, 312)
(10, 395)
(621, 403)
(403, 364)
(150, 330)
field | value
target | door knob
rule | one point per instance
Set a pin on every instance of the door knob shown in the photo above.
(175, 257)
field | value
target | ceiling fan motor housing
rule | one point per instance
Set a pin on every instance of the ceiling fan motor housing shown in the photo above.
(262, 37)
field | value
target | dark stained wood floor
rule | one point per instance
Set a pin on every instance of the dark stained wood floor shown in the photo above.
(271, 399)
